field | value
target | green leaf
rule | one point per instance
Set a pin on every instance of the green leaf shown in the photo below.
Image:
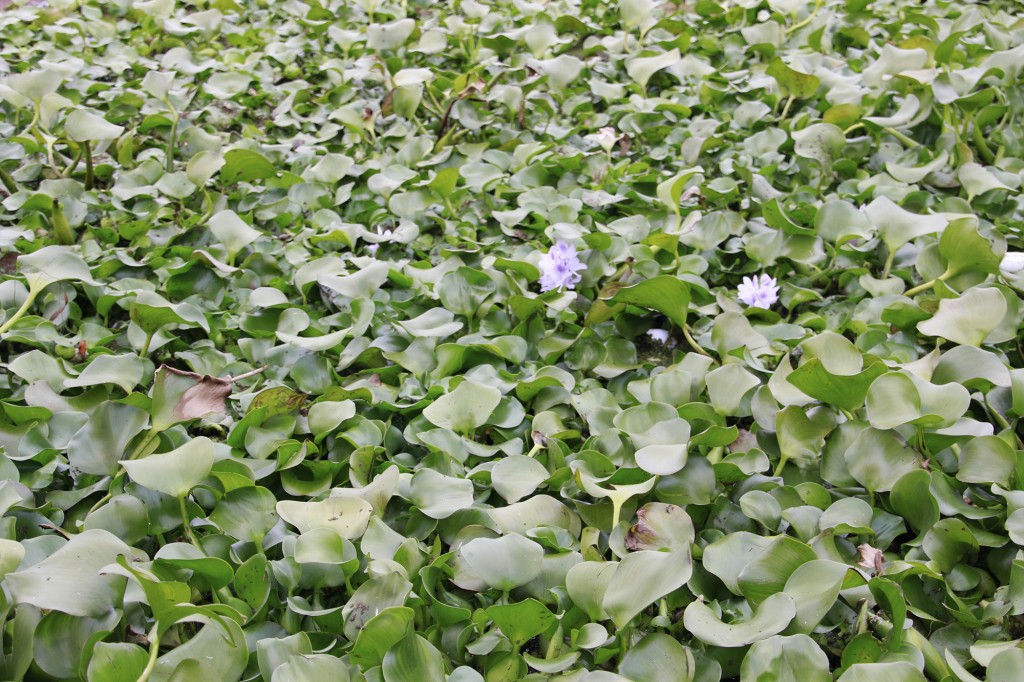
(11, 555)
(69, 580)
(413, 659)
(987, 459)
(802, 435)
(381, 633)
(777, 218)
(346, 516)
(439, 496)
(658, 657)
(897, 226)
(151, 312)
(506, 562)
(668, 295)
(219, 646)
(792, 83)
(965, 250)
(821, 142)
(898, 398)
(882, 672)
(948, 541)
(912, 499)
(968, 319)
(85, 126)
(640, 69)
(98, 446)
(786, 658)
(877, 459)
(814, 587)
(659, 435)
(246, 513)
(174, 473)
(770, 618)
(123, 371)
(847, 392)
(766, 573)
(52, 264)
(464, 291)
(233, 232)
(1006, 666)
(464, 409)
(300, 668)
(517, 476)
(642, 578)
(242, 165)
(116, 662)
(521, 621)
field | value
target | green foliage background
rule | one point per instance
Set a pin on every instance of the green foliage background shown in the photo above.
(280, 398)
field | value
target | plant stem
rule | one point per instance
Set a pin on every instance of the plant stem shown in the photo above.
(8, 181)
(185, 520)
(154, 652)
(862, 617)
(99, 504)
(555, 644)
(785, 109)
(145, 344)
(250, 373)
(61, 228)
(144, 444)
(920, 287)
(902, 138)
(616, 512)
(888, 263)
(799, 25)
(20, 313)
(89, 178)
(978, 136)
(693, 344)
(171, 141)
(73, 166)
(927, 285)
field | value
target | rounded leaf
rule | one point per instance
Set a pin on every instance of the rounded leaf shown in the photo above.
(771, 618)
(346, 516)
(506, 562)
(174, 473)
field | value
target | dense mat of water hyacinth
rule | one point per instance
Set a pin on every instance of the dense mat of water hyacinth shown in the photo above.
(573, 340)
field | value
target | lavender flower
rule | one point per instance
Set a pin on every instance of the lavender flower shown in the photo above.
(659, 335)
(386, 235)
(605, 138)
(560, 267)
(759, 292)
(1012, 262)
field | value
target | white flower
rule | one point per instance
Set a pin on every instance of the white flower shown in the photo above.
(659, 335)
(870, 558)
(1013, 262)
(605, 137)
(385, 236)
(759, 292)
(560, 267)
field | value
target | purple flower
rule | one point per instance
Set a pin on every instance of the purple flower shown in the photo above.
(560, 267)
(386, 235)
(1012, 262)
(759, 292)
(659, 335)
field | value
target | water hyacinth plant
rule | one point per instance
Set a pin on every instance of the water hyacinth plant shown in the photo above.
(759, 292)
(495, 340)
(560, 267)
